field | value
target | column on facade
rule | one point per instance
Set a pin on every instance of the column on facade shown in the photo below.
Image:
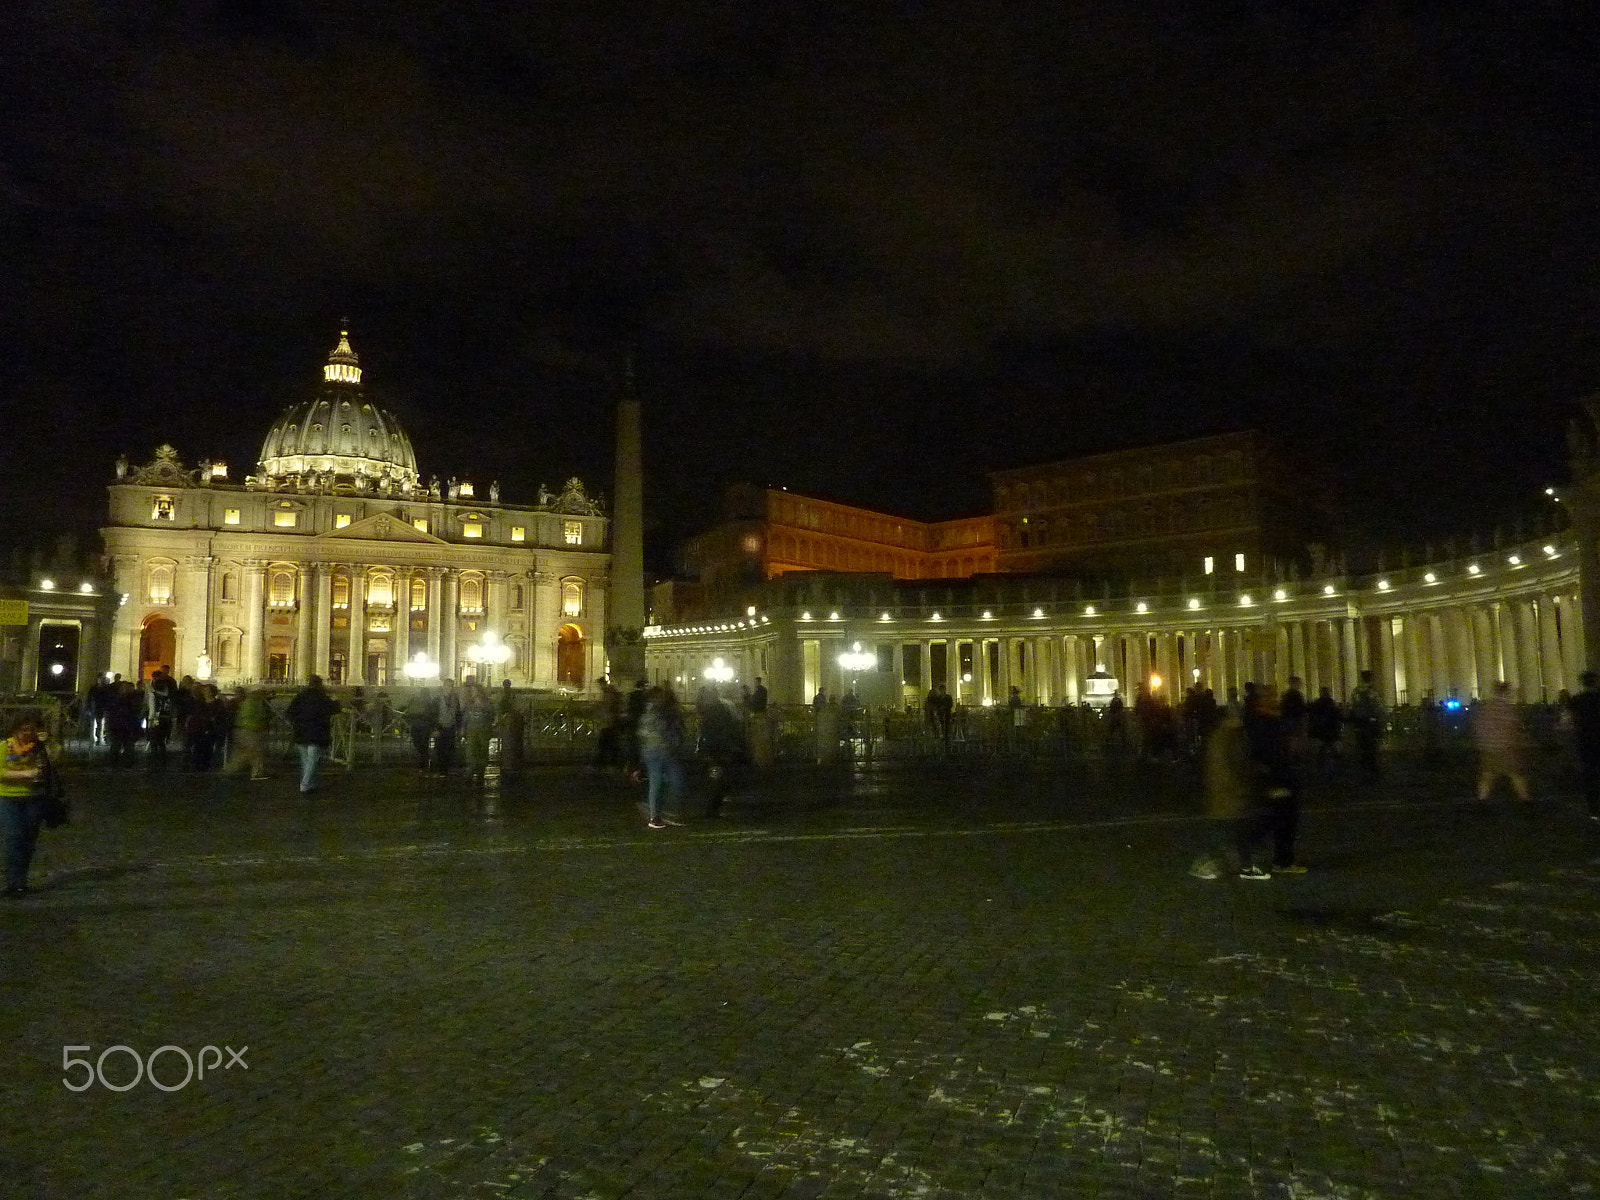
(1532, 677)
(1349, 657)
(450, 625)
(1570, 630)
(305, 588)
(1485, 656)
(355, 667)
(322, 623)
(494, 584)
(436, 615)
(1458, 635)
(1555, 680)
(1507, 645)
(1435, 654)
(254, 618)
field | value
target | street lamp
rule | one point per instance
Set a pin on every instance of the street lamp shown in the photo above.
(718, 672)
(489, 653)
(421, 668)
(857, 659)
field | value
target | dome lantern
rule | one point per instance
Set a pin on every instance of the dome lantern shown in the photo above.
(343, 364)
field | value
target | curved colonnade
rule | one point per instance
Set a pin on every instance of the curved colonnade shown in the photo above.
(1449, 628)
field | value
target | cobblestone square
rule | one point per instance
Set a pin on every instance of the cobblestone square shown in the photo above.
(980, 981)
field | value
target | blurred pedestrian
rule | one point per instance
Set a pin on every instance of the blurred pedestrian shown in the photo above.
(1276, 776)
(248, 747)
(1235, 815)
(420, 717)
(661, 743)
(1365, 717)
(1324, 722)
(310, 716)
(722, 747)
(446, 726)
(1585, 710)
(1497, 729)
(24, 782)
(477, 729)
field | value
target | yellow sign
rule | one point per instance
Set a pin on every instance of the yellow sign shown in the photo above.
(13, 612)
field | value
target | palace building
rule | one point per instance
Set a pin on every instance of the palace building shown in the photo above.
(335, 558)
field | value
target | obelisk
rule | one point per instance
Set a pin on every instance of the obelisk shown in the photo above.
(625, 625)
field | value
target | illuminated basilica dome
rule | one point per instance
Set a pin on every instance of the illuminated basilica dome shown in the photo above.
(338, 438)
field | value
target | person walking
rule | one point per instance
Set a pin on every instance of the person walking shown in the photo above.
(1270, 751)
(722, 746)
(420, 718)
(1497, 729)
(477, 728)
(1365, 718)
(1323, 724)
(160, 707)
(446, 725)
(24, 782)
(1236, 816)
(661, 739)
(310, 716)
(1585, 710)
(608, 745)
(249, 744)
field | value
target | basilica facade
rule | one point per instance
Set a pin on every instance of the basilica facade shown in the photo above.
(336, 558)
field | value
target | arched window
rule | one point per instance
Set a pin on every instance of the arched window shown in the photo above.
(281, 594)
(230, 586)
(227, 650)
(471, 593)
(572, 598)
(419, 593)
(160, 584)
(516, 597)
(341, 591)
(380, 590)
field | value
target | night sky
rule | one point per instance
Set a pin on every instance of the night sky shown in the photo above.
(870, 256)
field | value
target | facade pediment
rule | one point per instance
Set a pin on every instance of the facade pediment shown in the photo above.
(382, 528)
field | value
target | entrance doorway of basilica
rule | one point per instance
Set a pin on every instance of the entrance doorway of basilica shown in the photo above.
(278, 660)
(378, 662)
(158, 646)
(570, 657)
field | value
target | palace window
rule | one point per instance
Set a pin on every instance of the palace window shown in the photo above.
(572, 598)
(162, 509)
(573, 532)
(1238, 562)
(341, 520)
(472, 529)
(281, 594)
(1211, 565)
(160, 585)
(421, 524)
(230, 516)
(419, 594)
(519, 533)
(471, 594)
(285, 520)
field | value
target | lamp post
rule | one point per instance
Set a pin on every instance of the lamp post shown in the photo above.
(420, 669)
(718, 672)
(490, 653)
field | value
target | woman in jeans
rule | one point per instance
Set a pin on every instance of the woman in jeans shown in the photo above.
(661, 741)
(24, 775)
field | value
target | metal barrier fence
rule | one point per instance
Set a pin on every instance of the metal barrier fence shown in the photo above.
(564, 730)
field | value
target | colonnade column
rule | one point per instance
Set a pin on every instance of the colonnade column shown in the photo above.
(255, 630)
(1555, 680)
(450, 625)
(304, 593)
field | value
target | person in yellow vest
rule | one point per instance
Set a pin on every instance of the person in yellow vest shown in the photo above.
(24, 776)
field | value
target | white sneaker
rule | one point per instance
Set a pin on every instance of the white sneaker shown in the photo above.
(1204, 868)
(1254, 873)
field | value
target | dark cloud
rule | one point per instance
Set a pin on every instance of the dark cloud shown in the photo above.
(1335, 219)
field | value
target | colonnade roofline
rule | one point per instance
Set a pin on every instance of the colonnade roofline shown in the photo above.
(1003, 603)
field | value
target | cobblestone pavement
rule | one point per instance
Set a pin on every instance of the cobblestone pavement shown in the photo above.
(899, 982)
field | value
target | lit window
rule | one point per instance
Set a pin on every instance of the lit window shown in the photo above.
(572, 598)
(285, 520)
(518, 533)
(1238, 562)
(573, 531)
(341, 591)
(419, 594)
(162, 509)
(230, 516)
(380, 591)
(282, 590)
(340, 520)
(1211, 564)
(471, 594)
(160, 585)
(472, 529)
(421, 523)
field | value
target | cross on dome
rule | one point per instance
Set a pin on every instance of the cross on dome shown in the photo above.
(343, 364)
